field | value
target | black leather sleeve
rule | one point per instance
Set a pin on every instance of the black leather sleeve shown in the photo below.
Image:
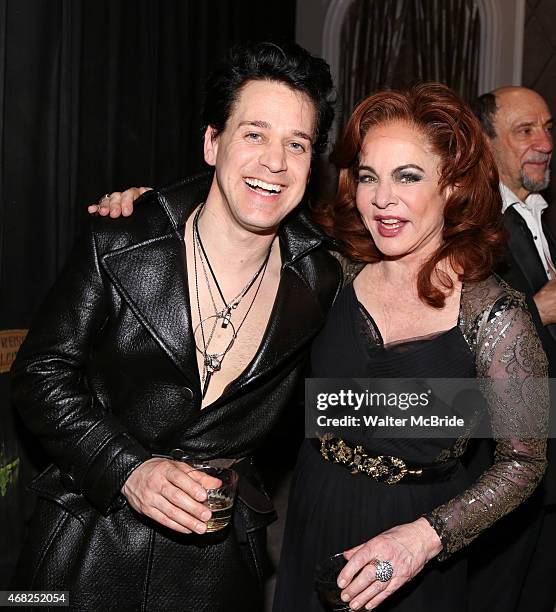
(50, 390)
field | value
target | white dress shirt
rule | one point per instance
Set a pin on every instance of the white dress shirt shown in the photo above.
(531, 210)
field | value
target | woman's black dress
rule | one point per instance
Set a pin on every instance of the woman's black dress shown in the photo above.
(331, 510)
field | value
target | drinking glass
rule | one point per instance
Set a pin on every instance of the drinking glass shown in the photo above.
(329, 592)
(220, 500)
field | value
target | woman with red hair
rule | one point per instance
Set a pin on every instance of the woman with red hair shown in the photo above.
(418, 214)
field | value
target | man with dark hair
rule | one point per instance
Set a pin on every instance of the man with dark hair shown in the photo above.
(178, 334)
(518, 124)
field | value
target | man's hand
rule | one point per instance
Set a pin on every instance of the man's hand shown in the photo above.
(171, 493)
(117, 203)
(545, 300)
(407, 547)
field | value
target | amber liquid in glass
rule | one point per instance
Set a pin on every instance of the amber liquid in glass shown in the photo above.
(221, 513)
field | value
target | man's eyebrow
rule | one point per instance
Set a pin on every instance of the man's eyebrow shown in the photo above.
(304, 135)
(533, 123)
(522, 124)
(266, 126)
(260, 124)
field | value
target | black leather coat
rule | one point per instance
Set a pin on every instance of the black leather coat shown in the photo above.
(108, 375)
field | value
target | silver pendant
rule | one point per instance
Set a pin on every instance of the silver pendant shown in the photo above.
(213, 362)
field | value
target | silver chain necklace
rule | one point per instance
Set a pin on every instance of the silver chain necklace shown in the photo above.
(212, 362)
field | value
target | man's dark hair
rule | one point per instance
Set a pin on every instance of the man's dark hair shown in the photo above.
(263, 61)
(485, 108)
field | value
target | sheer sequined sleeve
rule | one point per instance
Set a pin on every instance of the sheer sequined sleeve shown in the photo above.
(512, 369)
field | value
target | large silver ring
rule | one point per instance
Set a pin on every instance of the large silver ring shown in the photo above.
(383, 570)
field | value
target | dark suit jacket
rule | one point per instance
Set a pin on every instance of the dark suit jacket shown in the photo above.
(523, 270)
(108, 375)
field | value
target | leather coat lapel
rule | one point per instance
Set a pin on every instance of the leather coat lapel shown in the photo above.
(151, 274)
(297, 315)
(295, 319)
(152, 277)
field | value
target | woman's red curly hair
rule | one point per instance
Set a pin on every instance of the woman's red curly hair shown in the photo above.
(473, 237)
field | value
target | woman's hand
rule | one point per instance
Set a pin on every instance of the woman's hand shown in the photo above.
(171, 493)
(407, 547)
(117, 203)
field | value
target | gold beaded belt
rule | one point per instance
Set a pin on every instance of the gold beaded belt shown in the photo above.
(382, 468)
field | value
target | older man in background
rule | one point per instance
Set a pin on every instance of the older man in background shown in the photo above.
(518, 124)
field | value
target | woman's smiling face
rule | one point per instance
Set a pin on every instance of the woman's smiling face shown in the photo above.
(398, 195)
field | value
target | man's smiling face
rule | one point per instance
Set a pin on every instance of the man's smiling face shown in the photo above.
(522, 146)
(262, 158)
